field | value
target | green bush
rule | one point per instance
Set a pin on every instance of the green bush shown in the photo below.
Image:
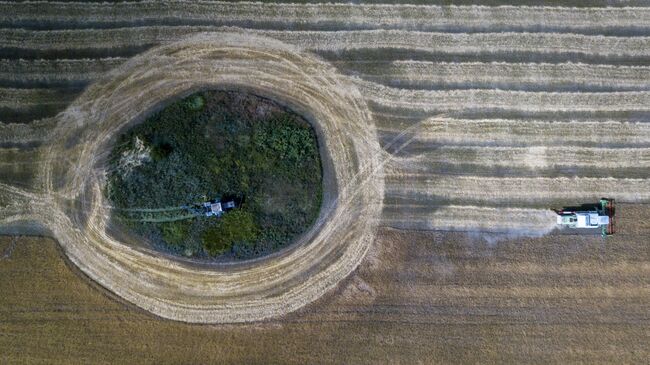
(236, 226)
(195, 103)
(289, 141)
(176, 232)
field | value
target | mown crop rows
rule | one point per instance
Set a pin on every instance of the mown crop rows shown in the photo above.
(330, 15)
(524, 76)
(479, 108)
(467, 43)
(610, 88)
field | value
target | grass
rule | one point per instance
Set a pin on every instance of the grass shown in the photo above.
(223, 145)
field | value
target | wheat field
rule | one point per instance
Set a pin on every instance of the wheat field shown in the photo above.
(451, 123)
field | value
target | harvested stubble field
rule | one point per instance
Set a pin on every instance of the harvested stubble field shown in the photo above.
(447, 130)
(417, 298)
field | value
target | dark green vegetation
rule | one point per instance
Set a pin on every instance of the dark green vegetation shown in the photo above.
(217, 144)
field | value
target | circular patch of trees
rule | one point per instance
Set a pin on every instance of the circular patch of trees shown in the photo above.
(217, 146)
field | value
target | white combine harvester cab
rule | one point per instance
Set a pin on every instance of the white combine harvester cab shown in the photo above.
(602, 217)
(216, 208)
(583, 220)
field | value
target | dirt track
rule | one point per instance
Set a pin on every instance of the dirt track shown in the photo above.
(450, 152)
(237, 292)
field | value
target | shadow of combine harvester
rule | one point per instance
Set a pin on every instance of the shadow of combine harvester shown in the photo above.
(589, 216)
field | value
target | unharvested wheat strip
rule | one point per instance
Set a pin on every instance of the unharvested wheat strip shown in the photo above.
(19, 166)
(630, 291)
(528, 132)
(18, 99)
(17, 134)
(499, 73)
(96, 38)
(478, 218)
(613, 270)
(465, 42)
(342, 15)
(81, 70)
(534, 157)
(455, 100)
(510, 190)
(338, 41)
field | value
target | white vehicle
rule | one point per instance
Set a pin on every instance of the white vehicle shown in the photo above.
(217, 208)
(602, 218)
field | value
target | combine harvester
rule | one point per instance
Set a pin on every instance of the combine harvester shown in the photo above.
(601, 216)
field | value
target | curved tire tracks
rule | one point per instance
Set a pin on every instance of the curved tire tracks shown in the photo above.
(235, 292)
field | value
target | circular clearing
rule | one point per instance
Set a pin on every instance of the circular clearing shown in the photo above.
(249, 291)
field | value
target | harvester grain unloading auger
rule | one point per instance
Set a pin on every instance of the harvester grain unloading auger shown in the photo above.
(601, 216)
